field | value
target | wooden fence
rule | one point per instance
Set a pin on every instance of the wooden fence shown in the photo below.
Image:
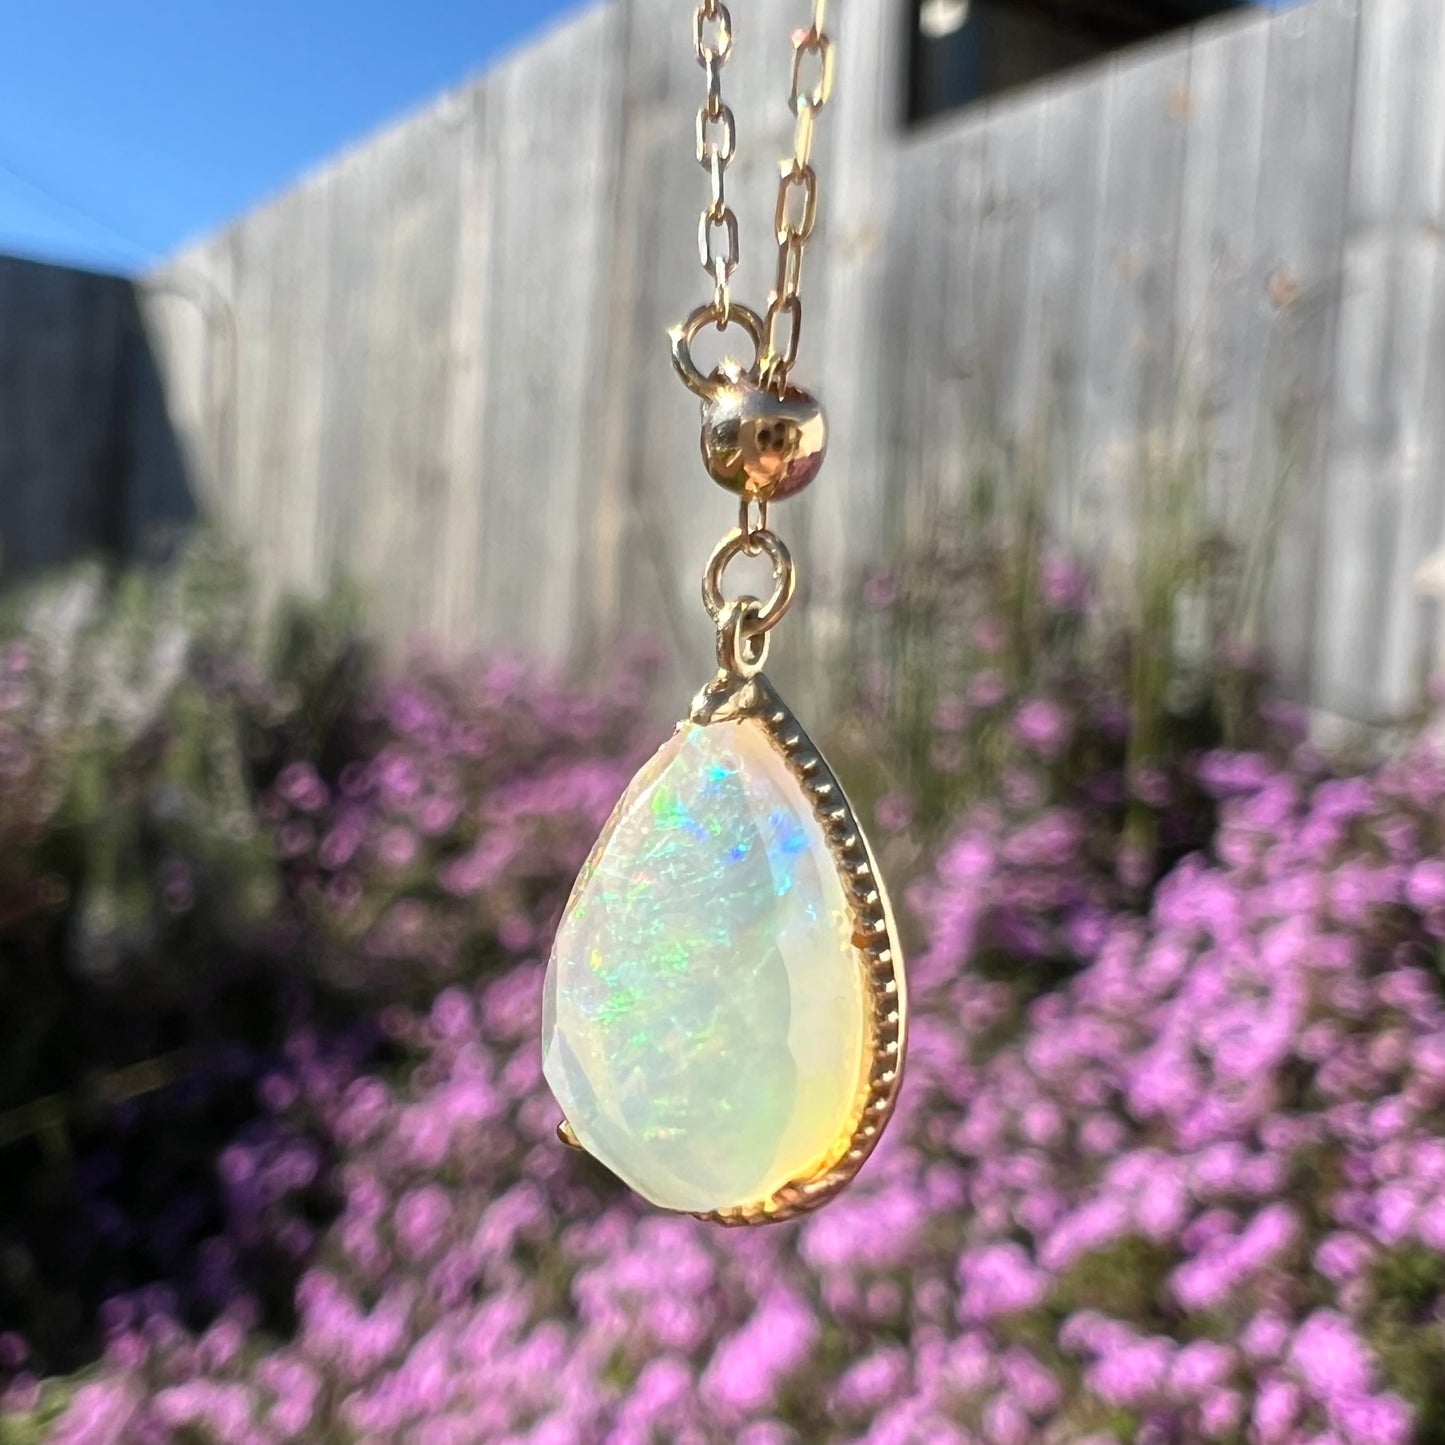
(439, 363)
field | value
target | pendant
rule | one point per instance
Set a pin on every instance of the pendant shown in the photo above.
(725, 1013)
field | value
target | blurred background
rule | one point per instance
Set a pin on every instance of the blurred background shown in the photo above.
(350, 531)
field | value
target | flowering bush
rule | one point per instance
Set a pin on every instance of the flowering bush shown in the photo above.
(1003, 707)
(1184, 1188)
(137, 948)
(209, 830)
(1192, 1194)
(450, 834)
(1196, 1179)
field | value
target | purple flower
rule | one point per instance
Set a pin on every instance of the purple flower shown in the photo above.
(1065, 584)
(1276, 1410)
(1133, 1373)
(749, 1365)
(880, 591)
(301, 786)
(1381, 1420)
(1425, 888)
(894, 813)
(421, 1218)
(1330, 1357)
(997, 1281)
(1045, 727)
(870, 1382)
(987, 690)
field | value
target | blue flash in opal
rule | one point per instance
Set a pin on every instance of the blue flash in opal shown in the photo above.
(790, 836)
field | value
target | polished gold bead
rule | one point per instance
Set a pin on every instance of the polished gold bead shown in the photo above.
(759, 445)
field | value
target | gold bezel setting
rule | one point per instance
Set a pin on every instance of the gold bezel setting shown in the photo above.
(729, 698)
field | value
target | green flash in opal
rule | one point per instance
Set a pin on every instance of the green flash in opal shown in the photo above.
(711, 918)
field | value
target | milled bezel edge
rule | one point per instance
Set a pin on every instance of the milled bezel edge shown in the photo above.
(731, 699)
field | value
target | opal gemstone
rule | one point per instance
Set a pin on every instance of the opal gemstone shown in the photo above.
(704, 1018)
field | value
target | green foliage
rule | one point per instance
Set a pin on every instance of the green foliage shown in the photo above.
(1405, 1329)
(218, 830)
(33, 1427)
(969, 599)
(1152, 649)
(140, 728)
(145, 963)
(1125, 1279)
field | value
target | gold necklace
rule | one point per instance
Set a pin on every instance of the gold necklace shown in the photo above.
(725, 1012)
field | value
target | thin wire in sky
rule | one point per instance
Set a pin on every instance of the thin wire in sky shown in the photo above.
(66, 207)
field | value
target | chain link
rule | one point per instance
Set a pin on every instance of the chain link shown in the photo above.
(717, 140)
(796, 212)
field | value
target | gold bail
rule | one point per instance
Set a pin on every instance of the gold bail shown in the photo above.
(758, 445)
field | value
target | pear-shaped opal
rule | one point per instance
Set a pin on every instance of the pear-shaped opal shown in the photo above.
(705, 1016)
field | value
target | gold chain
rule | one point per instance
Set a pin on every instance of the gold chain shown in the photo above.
(796, 212)
(761, 438)
(797, 208)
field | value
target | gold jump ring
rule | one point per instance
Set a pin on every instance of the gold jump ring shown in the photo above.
(742, 648)
(785, 580)
(682, 338)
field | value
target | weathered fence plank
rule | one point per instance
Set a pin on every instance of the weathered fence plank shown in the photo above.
(858, 346)
(1069, 252)
(1385, 468)
(1128, 362)
(555, 128)
(1003, 334)
(1220, 294)
(462, 523)
(1413, 385)
(1300, 221)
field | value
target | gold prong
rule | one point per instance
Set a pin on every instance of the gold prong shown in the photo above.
(565, 1134)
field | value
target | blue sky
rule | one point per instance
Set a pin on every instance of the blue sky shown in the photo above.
(129, 126)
